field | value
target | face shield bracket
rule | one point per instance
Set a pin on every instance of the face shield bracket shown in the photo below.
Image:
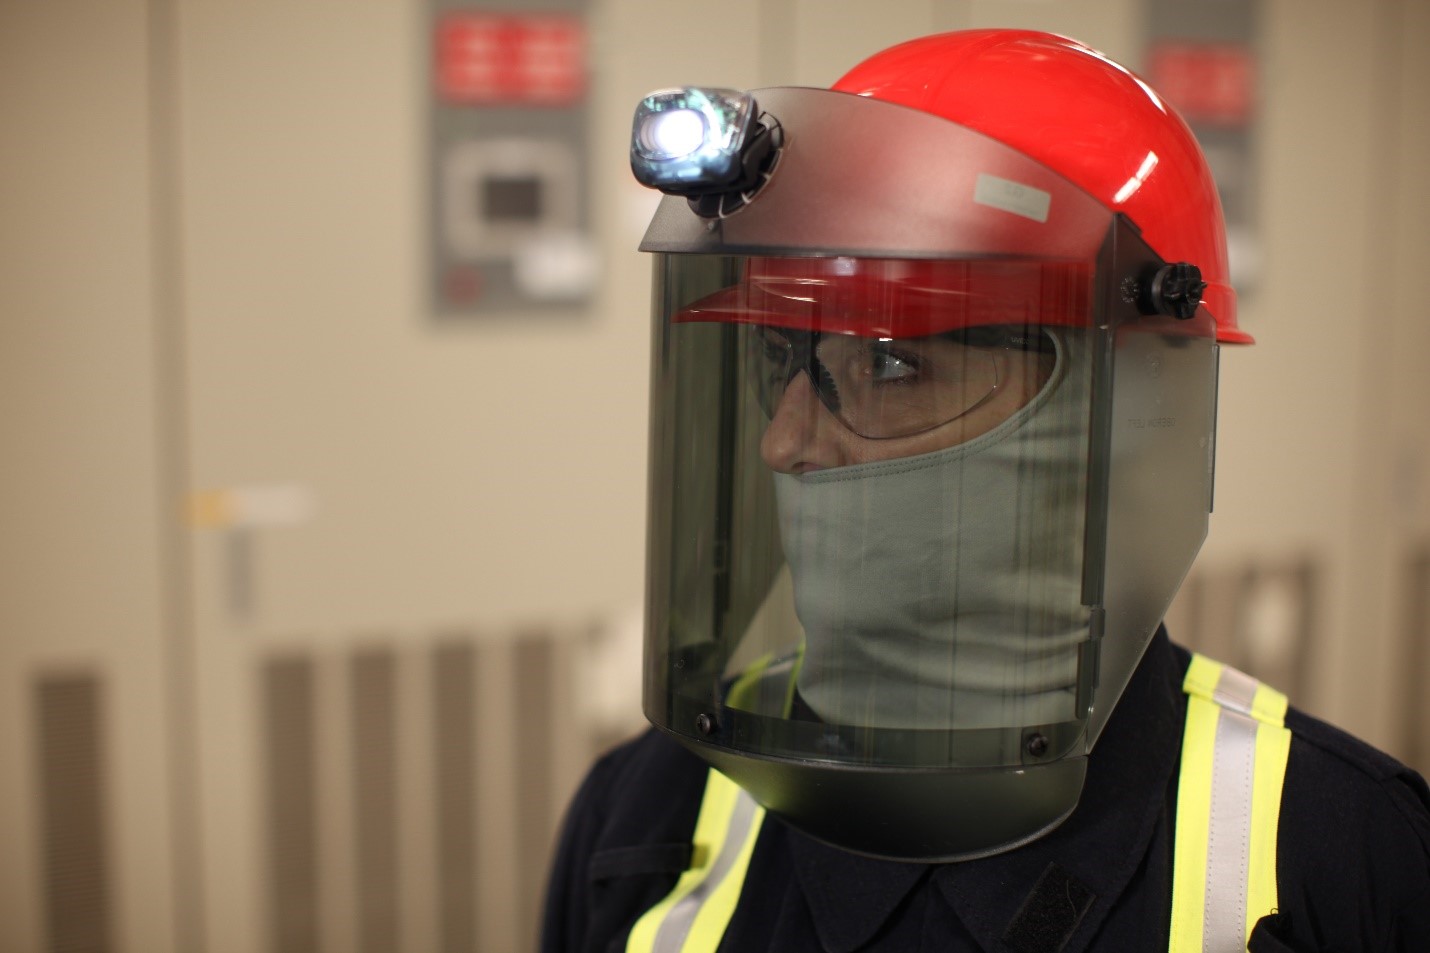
(1151, 460)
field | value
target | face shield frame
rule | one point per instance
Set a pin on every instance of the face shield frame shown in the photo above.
(1010, 786)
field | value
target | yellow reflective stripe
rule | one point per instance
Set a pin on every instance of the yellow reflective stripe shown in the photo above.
(714, 917)
(1270, 706)
(672, 925)
(694, 916)
(742, 692)
(1194, 808)
(1273, 747)
(1202, 677)
(1211, 687)
(794, 678)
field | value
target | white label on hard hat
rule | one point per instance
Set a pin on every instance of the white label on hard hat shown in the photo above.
(1009, 196)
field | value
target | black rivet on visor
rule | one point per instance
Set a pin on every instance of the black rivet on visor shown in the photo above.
(1036, 745)
(705, 724)
(1174, 290)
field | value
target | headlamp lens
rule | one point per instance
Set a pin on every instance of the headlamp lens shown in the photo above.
(674, 134)
(689, 140)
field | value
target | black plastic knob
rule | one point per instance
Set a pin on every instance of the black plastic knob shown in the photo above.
(1174, 290)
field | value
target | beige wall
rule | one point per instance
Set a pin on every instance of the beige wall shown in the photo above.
(1324, 443)
(81, 481)
(211, 276)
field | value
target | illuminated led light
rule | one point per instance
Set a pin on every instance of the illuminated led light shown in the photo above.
(690, 140)
(672, 135)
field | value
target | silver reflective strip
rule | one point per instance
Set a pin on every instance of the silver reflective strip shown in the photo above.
(670, 938)
(1236, 690)
(1229, 826)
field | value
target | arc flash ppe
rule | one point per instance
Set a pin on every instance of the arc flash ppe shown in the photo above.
(902, 642)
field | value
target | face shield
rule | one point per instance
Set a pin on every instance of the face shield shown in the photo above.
(927, 468)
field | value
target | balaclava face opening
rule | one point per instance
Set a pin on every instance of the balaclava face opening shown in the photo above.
(944, 590)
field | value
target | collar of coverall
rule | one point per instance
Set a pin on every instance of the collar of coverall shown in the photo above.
(1098, 849)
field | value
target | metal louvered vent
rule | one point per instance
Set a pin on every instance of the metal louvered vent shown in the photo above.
(454, 730)
(290, 745)
(374, 722)
(68, 716)
(535, 666)
(1414, 746)
(414, 788)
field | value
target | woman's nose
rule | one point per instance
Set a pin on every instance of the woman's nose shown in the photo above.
(803, 434)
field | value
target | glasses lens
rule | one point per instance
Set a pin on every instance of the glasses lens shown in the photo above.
(768, 358)
(895, 387)
(877, 387)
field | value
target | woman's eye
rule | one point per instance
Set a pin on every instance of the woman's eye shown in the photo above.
(775, 349)
(887, 366)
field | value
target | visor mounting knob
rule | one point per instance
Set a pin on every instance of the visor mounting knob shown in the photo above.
(1174, 290)
(705, 724)
(1036, 745)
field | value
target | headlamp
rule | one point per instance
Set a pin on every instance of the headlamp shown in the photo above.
(706, 144)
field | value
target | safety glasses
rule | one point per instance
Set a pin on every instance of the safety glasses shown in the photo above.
(882, 388)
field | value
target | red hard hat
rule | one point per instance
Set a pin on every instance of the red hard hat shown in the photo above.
(1085, 117)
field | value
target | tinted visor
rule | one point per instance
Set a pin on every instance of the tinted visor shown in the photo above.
(869, 543)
